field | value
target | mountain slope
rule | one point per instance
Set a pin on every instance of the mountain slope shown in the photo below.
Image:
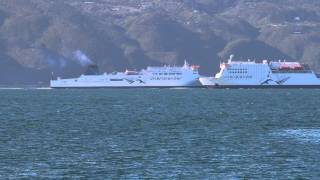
(43, 36)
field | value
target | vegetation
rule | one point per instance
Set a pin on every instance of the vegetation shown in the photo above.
(38, 37)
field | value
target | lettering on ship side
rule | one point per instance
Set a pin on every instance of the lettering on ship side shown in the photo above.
(166, 78)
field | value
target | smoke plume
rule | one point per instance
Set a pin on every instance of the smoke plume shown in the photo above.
(56, 62)
(82, 58)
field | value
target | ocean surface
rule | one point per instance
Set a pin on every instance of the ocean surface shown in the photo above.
(160, 134)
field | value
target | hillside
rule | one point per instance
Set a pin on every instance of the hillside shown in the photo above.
(38, 37)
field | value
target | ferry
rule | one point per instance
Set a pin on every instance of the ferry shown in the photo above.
(268, 74)
(151, 77)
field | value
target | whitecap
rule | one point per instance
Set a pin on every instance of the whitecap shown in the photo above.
(28, 173)
(44, 88)
(303, 135)
(11, 88)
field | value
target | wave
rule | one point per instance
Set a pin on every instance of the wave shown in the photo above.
(303, 135)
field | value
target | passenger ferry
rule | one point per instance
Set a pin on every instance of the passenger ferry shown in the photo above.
(273, 74)
(151, 77)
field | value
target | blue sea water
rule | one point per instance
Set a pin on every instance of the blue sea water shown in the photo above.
(160, 134)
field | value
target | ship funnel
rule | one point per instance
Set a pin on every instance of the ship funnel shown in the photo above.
(92, 69)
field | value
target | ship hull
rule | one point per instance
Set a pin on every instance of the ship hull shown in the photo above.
(70, 84)
(213, 83)
(260, 76)
(129, 87)
(263, 86)
(152, 77)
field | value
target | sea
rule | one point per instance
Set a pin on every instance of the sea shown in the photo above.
(160, 134)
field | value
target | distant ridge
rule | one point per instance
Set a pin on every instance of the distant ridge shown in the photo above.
(38, 37)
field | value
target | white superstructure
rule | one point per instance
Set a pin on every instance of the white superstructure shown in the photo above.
(166, 76)
(266, 74)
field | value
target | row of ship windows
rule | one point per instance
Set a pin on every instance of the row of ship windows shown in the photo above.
(165, 78)
(238, 72)
(236, 69)
(166, 74)
(153, 78)
(238, 77)
(116, 79)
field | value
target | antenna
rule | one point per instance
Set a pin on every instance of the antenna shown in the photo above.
(231, 58)
(185, 63)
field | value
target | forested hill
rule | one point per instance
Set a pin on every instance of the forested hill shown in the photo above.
(38, 37)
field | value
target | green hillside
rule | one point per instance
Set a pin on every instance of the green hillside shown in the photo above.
(38, 37)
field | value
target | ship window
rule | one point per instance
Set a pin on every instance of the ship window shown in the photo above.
(116, 79)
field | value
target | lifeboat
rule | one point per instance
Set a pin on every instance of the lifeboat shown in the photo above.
(297, 66)
(291, 66)
(127, 72)
(284, 67)
(195, 67)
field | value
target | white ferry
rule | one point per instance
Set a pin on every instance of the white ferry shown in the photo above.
(152, 77)
(248, 74)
